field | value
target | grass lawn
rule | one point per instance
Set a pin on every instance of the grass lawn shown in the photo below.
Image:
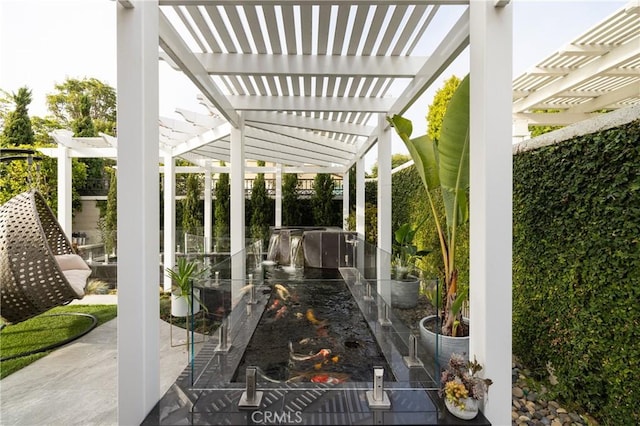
(44, 330)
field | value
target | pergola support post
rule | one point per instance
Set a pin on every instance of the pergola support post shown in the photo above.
(384, 214)
(207, 210)
(138, 211)
(360, 211)
(491, 198)
(278, 188)
(345, 200)
(169, 233)
(237, 211)
(65, 207)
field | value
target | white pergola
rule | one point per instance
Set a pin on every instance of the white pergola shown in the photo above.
(598, 70)
(307, 85)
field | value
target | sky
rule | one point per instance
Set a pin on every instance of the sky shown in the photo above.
(42, 42)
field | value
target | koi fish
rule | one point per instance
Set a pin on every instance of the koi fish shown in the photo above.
(281, 312)
(313, 320)
(282, 291)
(316, 377)
(328, 378)
(322, 353)
(299, 315)
(274, 305)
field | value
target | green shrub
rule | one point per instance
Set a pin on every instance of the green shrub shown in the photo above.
(576, 269)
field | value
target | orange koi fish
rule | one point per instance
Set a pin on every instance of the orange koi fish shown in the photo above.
(274, 305)
(313, 320)
(317, 377)
(281, 312)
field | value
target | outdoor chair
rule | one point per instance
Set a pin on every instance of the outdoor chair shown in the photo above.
(38, 267)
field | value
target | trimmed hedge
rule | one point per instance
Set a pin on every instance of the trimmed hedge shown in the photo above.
(576, 269)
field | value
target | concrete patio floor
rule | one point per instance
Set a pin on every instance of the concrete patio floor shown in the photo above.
(77, 384)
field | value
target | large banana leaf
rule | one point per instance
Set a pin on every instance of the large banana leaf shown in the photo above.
(422, 151)
(453, 156)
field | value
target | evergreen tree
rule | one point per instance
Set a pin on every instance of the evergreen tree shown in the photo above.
(111, 215)
(222, 209)
(259, 208)
(191, 217)
(66, 103)
(17, 127)
(323, 212)
(291, 214)
(83, 127)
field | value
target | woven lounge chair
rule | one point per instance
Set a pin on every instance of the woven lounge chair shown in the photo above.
(38, 268)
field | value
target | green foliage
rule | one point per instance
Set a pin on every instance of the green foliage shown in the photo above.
(260, 210)
(439, 106)
(17, 131)
(322, 200)
(291, 214)
(44, 330)
(66, 103)
(576, 269)
(396, 160)
(405, 251)
(445, 166)
(109, 225)
(191, 214)
(222, 208)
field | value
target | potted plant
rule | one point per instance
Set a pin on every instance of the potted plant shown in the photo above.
(444, 170)
(461, 388)
(405, 285)
(182, 288)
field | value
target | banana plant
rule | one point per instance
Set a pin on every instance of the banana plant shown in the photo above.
(445, 165)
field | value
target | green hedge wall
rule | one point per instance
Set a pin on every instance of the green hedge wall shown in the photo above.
(576, 269)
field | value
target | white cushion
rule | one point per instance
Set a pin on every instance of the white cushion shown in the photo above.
(71, 261)
(77, 278)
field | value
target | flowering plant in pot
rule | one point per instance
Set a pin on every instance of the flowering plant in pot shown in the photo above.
(461, 388)
(443, 167)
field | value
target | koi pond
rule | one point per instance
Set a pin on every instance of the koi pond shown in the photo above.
(312, 331)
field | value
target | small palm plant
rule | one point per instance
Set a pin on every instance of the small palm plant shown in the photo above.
(406, 252)
(182, 285)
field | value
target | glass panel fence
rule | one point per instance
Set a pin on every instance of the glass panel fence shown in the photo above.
(318, 316)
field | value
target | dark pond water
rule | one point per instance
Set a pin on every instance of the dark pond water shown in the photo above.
(312, 331)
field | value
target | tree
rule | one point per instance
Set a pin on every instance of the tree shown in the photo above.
(17, 130)
(66, 103)
(291, 214)
(110, 220)
(260, 208)
(191, 217)
(439, 106)
(222, 212)
(83, 127)
(322, 200)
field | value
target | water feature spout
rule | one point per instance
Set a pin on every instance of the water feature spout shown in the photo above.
(272, 251)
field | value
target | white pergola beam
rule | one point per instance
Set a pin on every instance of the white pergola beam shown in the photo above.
(331, 66)
(173, 44)
(550, 119)
(291, 120)
(202, 140)
(202, 120)
(613, 97)
(322, 142)
(308, 2)
(309, 103)
(611, 60)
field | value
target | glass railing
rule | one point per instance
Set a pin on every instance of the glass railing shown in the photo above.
(299, 322)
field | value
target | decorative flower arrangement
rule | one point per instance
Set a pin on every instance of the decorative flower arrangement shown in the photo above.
(459, 382)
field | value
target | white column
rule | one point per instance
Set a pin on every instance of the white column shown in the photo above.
(384, 209)
(360, 222)
(138, 211)
(491, 196)
(345, 201)
(169, 256)
(65, 208)
(207, 211)
(238, 264)
(278, 219)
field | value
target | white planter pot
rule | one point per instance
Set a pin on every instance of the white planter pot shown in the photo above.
(404, 294)
(179, 307)
(444, 346)
(469, 412)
